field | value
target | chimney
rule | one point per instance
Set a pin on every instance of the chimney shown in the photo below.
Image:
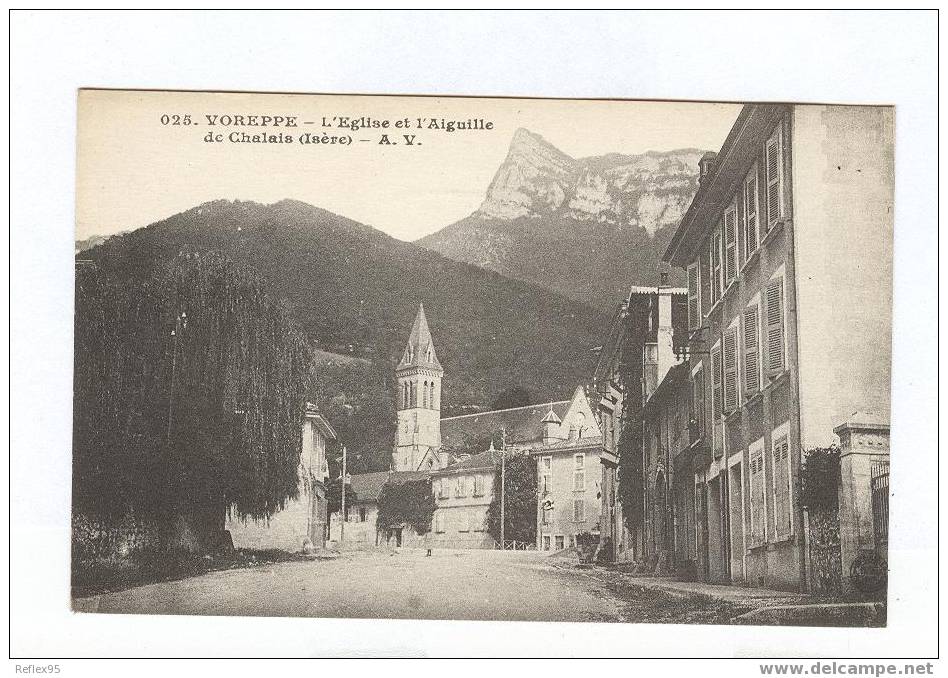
(705, 165)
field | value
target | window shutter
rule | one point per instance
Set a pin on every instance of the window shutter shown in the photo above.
(750, 213)
(730, 370)
(730, 244)
(717, 254)
(694, 298)
(752, 472)
(781, 470)
(775, 330)
(716, 400)
(774, 153)
(751, 350)
(698, 401)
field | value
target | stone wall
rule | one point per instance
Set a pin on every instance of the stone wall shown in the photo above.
(95, 539)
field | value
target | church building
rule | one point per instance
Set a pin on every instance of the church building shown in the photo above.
(418, 374)
(454, 453)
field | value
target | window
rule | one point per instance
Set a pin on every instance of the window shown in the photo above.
(572, 541)
(751, 211)
(546, 542)
(560, 542)
(361, 514)
(758, 507)
(424, 395)
(730, 243)
(439, 521)
(694, 296)
(431, 396)
(579, 510)
(414, 395)
(459, 487)
(730, 369)
(774, 350)
(546, 477)
(780, 452)
(579, 472)
(751, 350)
(478, 486)
(773, 152)
(442, 488)
(405, 396)
(717, 402)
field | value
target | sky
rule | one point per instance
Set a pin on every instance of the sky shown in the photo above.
(136, 167)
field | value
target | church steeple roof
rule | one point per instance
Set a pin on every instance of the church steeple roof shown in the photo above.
(420, 351)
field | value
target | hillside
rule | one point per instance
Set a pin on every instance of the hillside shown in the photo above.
(587, 228)
(355, 291)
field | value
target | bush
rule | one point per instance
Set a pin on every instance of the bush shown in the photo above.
(586, 543)
(819, 479)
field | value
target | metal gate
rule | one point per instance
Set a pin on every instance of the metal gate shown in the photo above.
(879, 483)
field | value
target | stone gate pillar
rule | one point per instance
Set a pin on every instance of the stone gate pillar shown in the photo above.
(864, 440)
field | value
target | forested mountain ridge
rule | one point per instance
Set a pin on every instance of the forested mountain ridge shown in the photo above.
(354, 290)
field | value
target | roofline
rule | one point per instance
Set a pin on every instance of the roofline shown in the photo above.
(451, 471)
(597, 441)
(744, 121)
(509, 409)
(656, 289)
(323, 424)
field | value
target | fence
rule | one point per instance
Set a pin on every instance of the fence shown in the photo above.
(879, 483)
(514, 545)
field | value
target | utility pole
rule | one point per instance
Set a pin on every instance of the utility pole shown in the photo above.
(342, 525)
(503, 484)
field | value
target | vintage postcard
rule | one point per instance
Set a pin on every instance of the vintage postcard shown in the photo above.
(482, 358)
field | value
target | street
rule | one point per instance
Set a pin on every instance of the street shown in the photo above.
(462, 584)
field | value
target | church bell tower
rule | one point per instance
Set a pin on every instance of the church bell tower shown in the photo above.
(418, 401)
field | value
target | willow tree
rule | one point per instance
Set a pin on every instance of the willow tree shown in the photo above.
(189, 396)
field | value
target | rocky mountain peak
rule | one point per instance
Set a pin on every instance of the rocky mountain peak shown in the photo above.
(536, 179)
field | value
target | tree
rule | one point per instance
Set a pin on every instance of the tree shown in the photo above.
(819, 479)
(189, 394)
(631, 454)
(516, 396)
(408, 502)
(520, 499)
(334, 496)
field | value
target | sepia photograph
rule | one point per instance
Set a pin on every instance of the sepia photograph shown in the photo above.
(489, 359)
(473, 334)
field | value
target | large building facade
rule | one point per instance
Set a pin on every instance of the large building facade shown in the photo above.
(303, 523)
(642, 344)
(788, 251)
